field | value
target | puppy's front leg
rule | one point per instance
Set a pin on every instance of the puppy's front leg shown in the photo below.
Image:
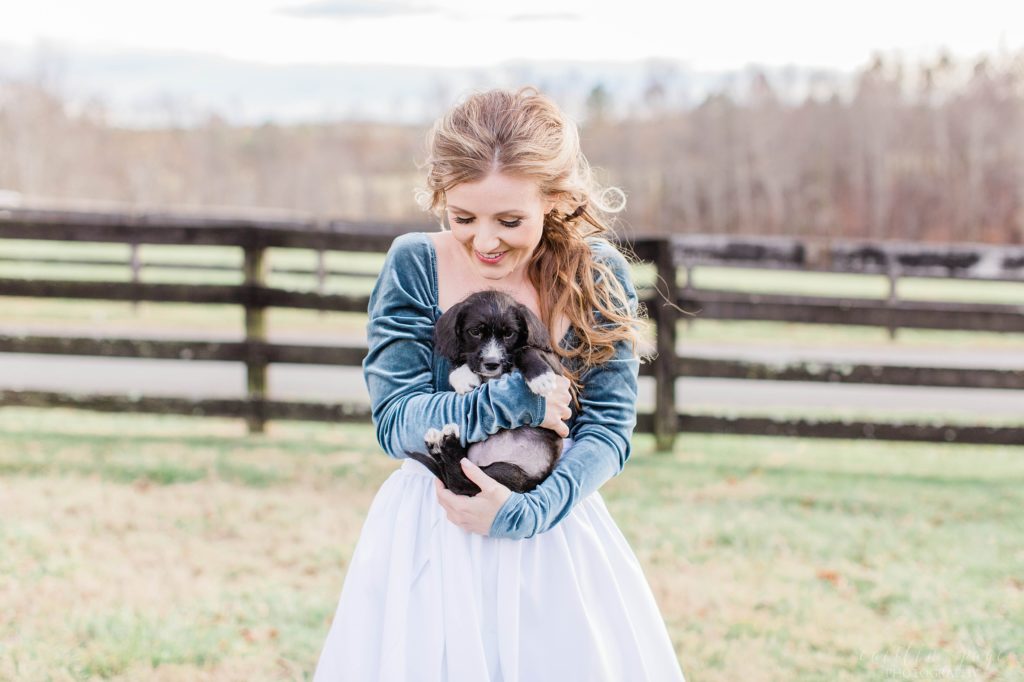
(463, 379)
(449, 453)
(537, 371)
(430, 460)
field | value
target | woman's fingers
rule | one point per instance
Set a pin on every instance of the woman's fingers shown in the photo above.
(473, 513)
(450, 502)
(478, 476)
(557, 408)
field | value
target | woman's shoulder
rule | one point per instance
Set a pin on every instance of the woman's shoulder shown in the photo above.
(603, 251)
(410, 254)
(410, 245)
(409, 266)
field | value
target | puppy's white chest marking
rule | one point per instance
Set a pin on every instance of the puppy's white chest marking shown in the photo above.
(463, 379)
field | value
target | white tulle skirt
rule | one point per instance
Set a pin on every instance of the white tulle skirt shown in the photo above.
(425, 601)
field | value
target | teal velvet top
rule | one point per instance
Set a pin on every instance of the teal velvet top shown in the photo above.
(410, 393)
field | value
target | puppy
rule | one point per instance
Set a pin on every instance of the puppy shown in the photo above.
(485, 336)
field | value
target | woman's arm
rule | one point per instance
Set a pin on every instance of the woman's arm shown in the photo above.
(399, 364)
(601, 436)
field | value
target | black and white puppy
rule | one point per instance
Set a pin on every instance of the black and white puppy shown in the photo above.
(485, 336)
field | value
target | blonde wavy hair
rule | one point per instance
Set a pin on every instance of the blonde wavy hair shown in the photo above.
(524, 133)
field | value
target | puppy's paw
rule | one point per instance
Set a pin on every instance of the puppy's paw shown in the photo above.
(543, 384)
(449, 449)
(463, 380)
(432, 438)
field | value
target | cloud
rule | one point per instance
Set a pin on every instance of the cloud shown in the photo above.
(340, 9)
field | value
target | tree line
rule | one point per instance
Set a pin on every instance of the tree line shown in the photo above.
(928, 152)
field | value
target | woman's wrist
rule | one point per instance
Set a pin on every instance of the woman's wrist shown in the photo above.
(507, 522)
(511, 391)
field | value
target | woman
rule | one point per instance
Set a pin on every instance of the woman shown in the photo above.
(502, 586)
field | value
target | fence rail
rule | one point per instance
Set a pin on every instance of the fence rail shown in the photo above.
(670, 257)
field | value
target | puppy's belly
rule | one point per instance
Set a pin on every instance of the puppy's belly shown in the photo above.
(524, 447)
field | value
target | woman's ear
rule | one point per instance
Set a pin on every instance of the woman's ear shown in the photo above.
(448, 332)
(532, 331)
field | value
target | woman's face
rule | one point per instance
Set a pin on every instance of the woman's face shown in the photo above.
(498, 221)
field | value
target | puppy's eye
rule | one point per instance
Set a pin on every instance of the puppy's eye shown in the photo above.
(475, 332)
(510, 333)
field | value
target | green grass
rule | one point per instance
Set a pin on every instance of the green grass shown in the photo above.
(790, 335)
(857, 286)
(369, 263)
(145, 547)
(849, 415)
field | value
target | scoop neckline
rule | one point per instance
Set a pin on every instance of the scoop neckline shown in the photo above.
(437, 289)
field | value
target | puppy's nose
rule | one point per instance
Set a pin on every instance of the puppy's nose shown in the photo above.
(491, 366)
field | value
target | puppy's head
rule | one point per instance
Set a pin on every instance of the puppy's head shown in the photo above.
(485, 330)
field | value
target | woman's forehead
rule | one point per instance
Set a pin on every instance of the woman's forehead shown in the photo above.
(497, 193)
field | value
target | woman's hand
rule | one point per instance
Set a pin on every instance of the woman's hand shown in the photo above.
(557, 407)
(474, 514)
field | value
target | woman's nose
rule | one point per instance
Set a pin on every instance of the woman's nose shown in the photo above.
(486, 241)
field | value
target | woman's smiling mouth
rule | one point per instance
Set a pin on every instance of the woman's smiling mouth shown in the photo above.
(490, 258)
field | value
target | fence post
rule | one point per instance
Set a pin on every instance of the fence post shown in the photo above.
(893, 276)
(665, 318)
(136, 267)
(688, 287)
(321, 276)
(255, 332)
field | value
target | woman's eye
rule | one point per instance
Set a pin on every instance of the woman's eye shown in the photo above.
(511, 223)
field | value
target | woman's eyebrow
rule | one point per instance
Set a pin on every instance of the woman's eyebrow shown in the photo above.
(462, 210)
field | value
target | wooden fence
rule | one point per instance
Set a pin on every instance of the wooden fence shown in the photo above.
(670, 257)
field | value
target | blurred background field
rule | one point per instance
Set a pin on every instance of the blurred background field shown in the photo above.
(166, 548)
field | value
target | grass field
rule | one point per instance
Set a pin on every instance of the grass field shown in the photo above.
(166, 548)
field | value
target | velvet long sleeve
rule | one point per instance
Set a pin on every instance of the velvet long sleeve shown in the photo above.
(601, 434)
(400, 368)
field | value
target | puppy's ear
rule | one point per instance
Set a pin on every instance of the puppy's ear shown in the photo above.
(448, 332)
(532, 331)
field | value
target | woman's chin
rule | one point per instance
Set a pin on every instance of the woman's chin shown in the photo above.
(499, 271)
(492, 273)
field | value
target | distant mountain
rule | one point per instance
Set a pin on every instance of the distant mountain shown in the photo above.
(157, 88)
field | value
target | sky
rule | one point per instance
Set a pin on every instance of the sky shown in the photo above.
(725, 34)
(155, 63)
